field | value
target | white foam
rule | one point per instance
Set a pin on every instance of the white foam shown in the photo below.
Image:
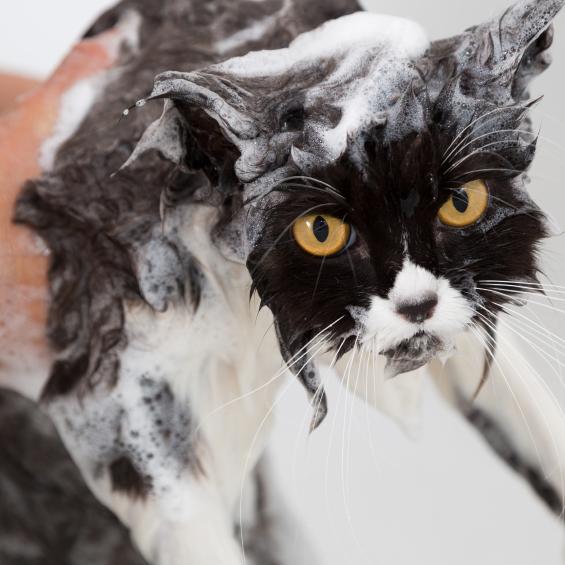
(372, 67)
(255, 31)
(206, 365)
(361, 64)
(129, 26)
(362, 31)
(79, 99)
(24, 367)
(252, 33)
(162, 134)
(74, 107)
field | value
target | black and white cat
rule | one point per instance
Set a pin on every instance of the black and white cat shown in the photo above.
(363, 185)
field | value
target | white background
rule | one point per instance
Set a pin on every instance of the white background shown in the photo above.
(366, 493)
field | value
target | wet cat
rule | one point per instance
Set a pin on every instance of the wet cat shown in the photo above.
(366, 187)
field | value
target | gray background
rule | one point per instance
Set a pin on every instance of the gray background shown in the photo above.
(366, 493)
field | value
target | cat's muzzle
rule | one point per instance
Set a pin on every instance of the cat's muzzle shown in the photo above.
(413, 353)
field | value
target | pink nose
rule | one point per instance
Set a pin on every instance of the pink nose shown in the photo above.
(418, 312)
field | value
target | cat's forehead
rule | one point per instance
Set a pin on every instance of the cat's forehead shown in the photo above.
(357, 66)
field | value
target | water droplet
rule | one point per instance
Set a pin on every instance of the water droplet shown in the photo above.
(141, 103)
(125, 112)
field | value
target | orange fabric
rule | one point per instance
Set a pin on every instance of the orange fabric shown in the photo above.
(23, 267)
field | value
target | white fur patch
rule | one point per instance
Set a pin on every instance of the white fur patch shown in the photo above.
(413, 283)
(382, 329)
(222, 364)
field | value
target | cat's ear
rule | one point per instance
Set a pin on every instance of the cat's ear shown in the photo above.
(206, 122)
(496, 61)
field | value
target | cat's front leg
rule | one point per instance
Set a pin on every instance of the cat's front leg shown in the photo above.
(513, 407)
(140, 450)
(187, 526)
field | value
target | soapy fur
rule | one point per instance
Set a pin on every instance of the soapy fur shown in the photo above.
(161, 225)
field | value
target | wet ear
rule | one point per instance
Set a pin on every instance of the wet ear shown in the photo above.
(498, 60)
(206, 122)
(200, 94)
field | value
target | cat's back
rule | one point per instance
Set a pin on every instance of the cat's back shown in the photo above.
(94, 218)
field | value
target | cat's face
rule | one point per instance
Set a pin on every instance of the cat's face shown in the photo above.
(399, 256)
(378, 180)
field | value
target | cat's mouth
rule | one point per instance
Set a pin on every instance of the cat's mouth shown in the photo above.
(413, 353)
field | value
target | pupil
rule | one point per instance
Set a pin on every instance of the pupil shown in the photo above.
(461, 201)
(321, 229)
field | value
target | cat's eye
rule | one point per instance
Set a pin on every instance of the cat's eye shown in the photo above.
(321, 235)
(466, 206)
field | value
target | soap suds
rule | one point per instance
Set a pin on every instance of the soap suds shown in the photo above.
(79, 99)
(373, 54)
(252, 33)
(75, 105)
(362, 31)
(23, 371)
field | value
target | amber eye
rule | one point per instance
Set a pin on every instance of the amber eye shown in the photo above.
(466, 205)
(321, 235)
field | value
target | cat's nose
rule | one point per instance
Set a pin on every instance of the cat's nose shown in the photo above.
(418, 312)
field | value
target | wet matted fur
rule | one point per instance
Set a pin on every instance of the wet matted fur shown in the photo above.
(162, 224)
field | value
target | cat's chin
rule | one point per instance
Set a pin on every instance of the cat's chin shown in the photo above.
(414, 353)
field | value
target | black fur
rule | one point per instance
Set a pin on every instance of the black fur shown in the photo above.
(318, 291)
(93, 221)
(127, 479)
(466, 85)
(458, 115)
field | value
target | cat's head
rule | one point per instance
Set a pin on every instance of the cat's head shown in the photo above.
(376, 181)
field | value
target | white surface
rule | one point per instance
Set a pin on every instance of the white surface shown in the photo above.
(35, 34)
(367, 493)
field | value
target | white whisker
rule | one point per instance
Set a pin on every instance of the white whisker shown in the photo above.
(342, 394)
(513, 394)
(254, 441)
(371, 363)
(541, 412)
(449, 151)
(541, 304)
(491, 144)
(300, 354)
(542, 286)
(532, 335)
